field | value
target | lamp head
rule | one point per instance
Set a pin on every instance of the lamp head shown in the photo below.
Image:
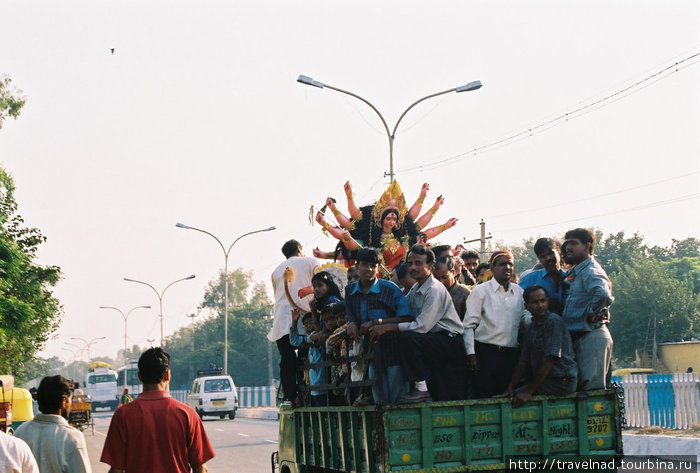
(191, 276)
(182, 225)
(470, 86)
(309, 81)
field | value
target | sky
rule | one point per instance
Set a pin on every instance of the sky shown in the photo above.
(196, 117)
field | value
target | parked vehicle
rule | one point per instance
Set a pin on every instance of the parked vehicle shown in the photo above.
(127, 377)
(456, 436)
(101, 387)
(213, 394)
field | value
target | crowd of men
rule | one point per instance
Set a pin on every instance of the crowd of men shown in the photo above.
(448, 326)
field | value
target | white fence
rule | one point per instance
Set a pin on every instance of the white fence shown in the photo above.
(257, 396)
(669, 400)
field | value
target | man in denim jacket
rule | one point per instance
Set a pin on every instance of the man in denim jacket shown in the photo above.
(586, 312)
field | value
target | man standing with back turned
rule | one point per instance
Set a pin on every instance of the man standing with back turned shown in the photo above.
(156, 433)
(303, 268)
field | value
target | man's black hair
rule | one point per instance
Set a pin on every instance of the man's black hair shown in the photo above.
(368, 255)
(51, 393)
(470, 254)
(529, 290)
(291, 248)
(153, 364)
(401, 270)
(441, 248)
(307, 315)
(482, 266)
(423, 250)
(447, 261)
(583, 235)
(545, 244)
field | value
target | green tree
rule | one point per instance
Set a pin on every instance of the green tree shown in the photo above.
(645, 291)
(11, 100)
(195, 348)
(615, 252)
(29, 313)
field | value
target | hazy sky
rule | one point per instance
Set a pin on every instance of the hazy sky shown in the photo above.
(197, 118)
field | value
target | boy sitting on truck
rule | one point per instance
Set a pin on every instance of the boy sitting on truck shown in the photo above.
(546, 349)
(317, 354)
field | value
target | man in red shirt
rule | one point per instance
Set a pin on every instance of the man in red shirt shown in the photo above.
(156, 433)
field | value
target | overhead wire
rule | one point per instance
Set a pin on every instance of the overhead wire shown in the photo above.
(675, 200)
(562, 118)
(598, 196)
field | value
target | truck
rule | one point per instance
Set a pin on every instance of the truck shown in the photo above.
(548, 432)
(101, 387)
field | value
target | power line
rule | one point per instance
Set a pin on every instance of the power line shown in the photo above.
(675, 200)
(563, 118)
(607, 194)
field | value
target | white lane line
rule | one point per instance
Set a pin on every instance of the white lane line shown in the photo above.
(220, 430)
(244, 435)
(271, 441)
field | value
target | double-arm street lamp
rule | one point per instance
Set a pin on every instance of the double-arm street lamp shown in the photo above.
(87, 346)
(160, 297)
(226, 253)
(125, 316)
(390, 134)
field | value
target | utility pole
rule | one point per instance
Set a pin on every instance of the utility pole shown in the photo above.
(482, 239)
(192, 316)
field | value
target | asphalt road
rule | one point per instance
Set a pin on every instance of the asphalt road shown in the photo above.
(241, 445)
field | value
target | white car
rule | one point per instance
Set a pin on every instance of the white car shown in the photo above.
(214, 396)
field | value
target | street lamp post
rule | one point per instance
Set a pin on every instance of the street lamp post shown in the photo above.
(75, 373)
(87, 346)
(125, 316)
(226, 253)
(160, 297)
(150, 341)
(390, 134)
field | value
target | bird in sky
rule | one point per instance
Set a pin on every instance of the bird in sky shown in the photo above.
(112, 49)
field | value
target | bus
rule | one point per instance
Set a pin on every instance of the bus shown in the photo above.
(101, 386)
(127, 377)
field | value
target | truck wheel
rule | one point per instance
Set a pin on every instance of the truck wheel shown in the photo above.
(232, 415)
(222, 416)
(200, 413)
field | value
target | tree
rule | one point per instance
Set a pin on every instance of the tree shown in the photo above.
(11, 100)
(647, 292)
(615, 253)
(195, 348)
(29, 313)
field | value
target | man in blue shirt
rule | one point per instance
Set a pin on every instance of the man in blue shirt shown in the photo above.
(551, 276)
(586, 312)
(369, 302)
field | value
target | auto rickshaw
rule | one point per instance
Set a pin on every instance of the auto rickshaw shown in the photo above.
(7, 382)
(80, 415)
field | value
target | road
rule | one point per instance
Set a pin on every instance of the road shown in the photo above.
(241, 445)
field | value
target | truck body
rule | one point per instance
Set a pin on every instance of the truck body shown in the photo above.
(456, 436)
(101, 386)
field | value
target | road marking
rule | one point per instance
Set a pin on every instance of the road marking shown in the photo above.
(271, 441)
(220, 430)
(244, 435)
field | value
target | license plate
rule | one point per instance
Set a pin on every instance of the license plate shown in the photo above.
(218, 403)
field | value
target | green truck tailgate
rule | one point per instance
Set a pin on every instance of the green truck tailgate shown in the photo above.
(476, 435)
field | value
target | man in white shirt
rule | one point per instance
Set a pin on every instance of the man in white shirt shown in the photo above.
(56, 445)
(433, 340)
(303, 268)
(15, 455)
(495, 312)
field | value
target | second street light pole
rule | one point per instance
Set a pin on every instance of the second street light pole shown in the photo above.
(125, 316)
(160, 297)
(390, 134)
(226, 253)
